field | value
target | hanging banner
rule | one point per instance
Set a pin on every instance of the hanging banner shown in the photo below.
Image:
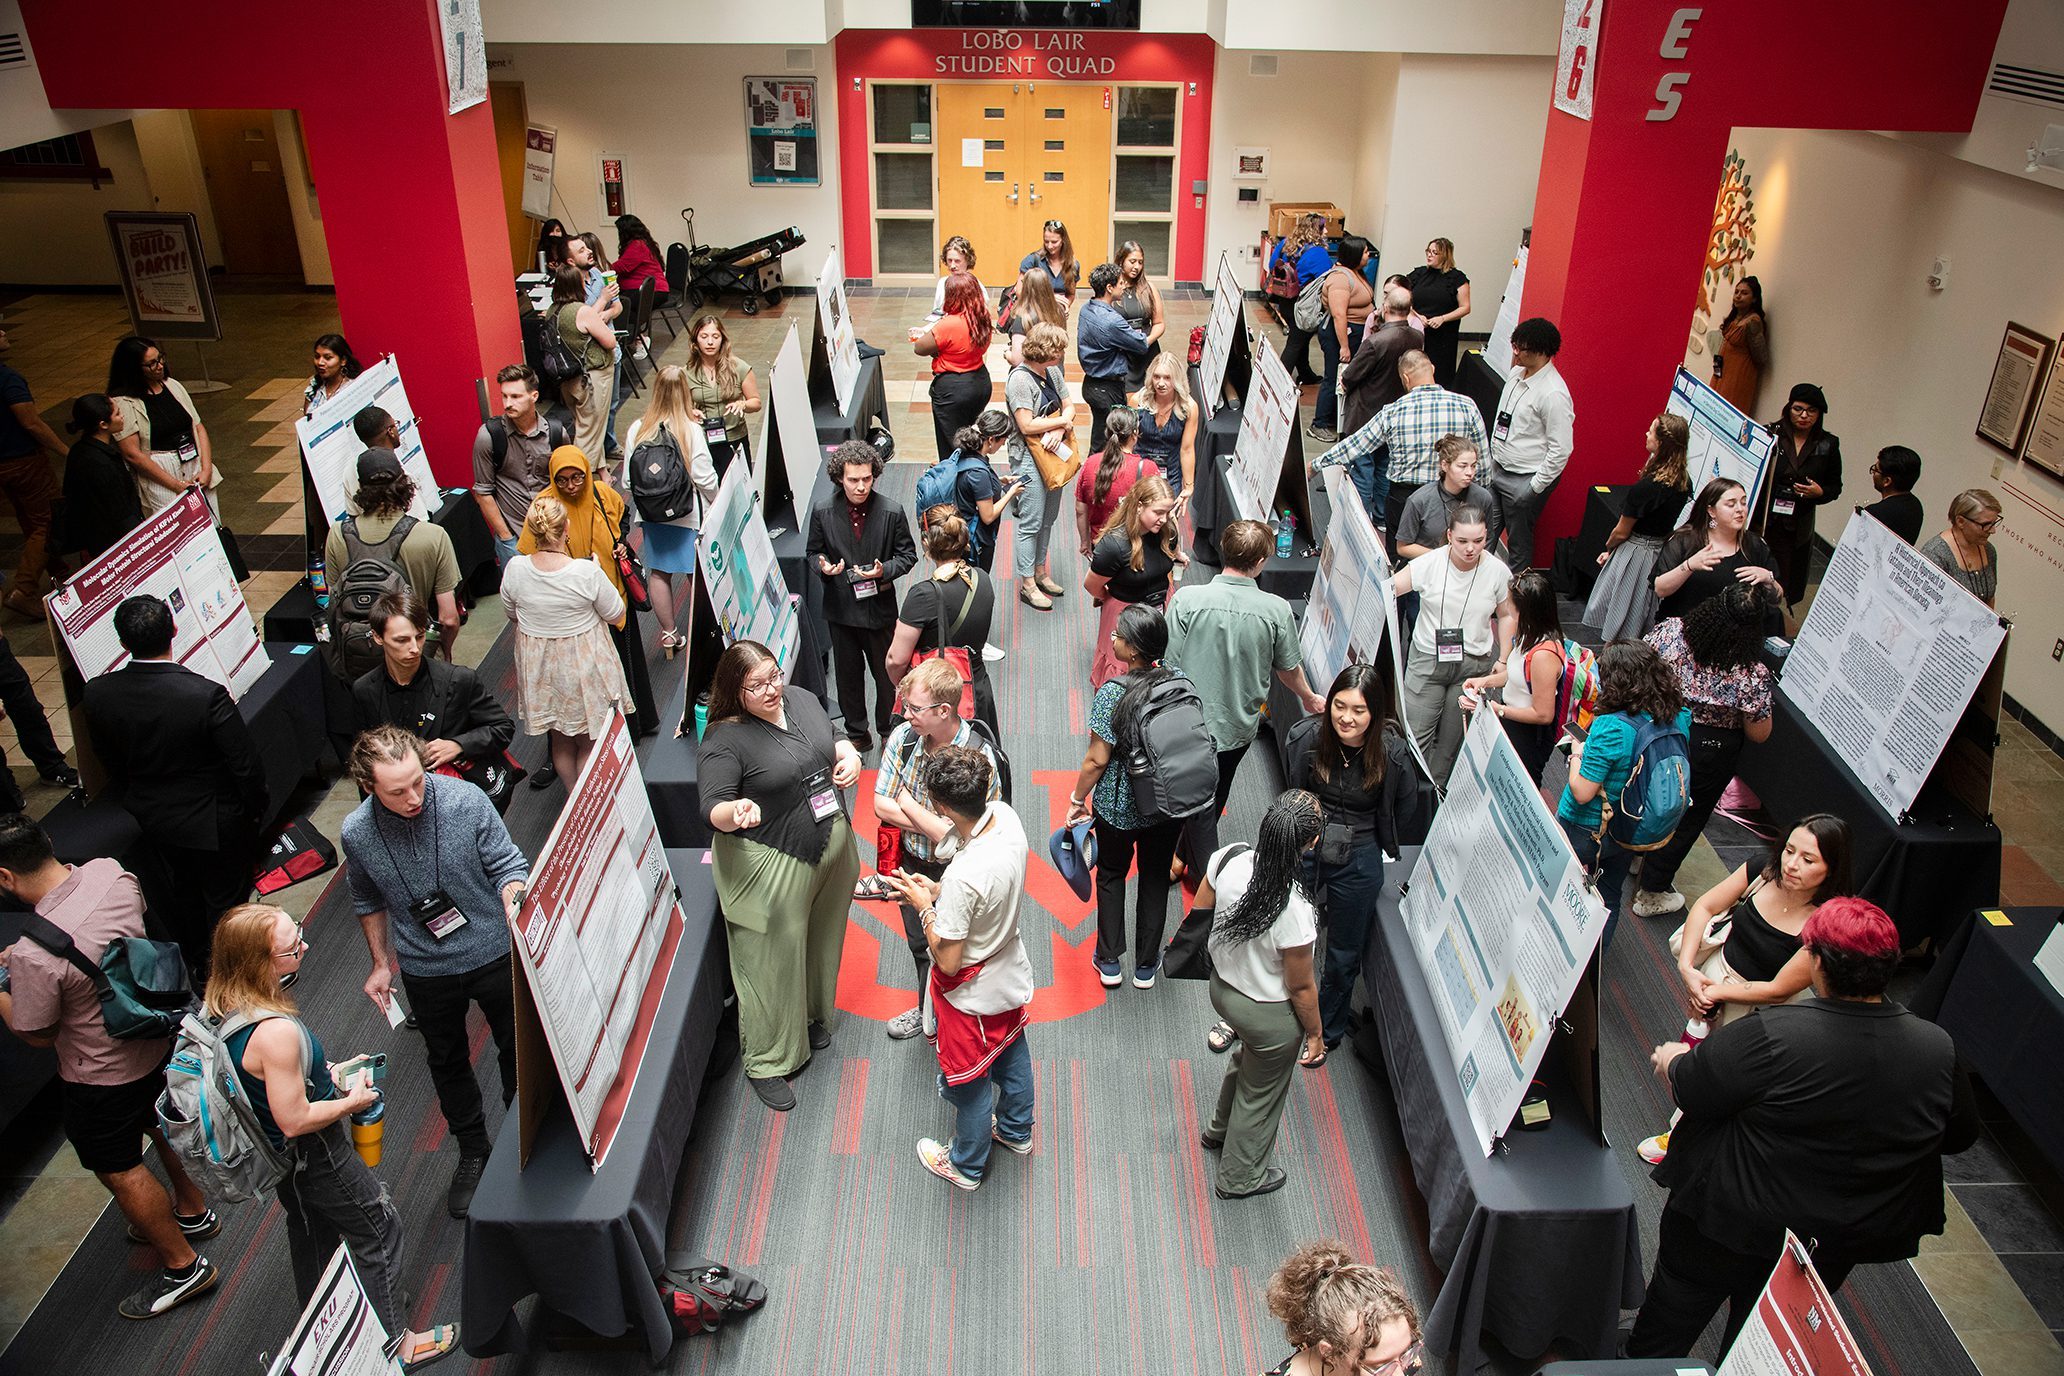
(781, 131)
(339, 1332)
(465, 53)
(1576, 57)
(330, 446)
(164, 274)
(538, 143)
(736, 557)
(835, 318)
(1270, 414)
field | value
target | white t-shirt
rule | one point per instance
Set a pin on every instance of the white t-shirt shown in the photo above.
(1255, 967)
(1450, 597)
(979, 896)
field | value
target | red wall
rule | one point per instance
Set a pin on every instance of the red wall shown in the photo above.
(915, 54)
(1625, 203)
(411, 196)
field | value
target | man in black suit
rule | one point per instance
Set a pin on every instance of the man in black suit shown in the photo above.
(463, 728)
(860, 544)
(179, 757)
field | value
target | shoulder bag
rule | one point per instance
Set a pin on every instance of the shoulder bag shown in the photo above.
(1189, 951)
(1057, 459)
(636, 596)
(956, 655)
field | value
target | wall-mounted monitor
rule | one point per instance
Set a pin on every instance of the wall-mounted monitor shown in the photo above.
(1025, 14)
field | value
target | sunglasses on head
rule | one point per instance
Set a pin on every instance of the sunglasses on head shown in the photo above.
(1053, 224)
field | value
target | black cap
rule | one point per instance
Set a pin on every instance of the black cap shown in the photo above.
(1811, 395)
(378, 465)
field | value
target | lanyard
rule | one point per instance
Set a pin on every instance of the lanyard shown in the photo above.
(1449, 582)
(783, 735)
(436, 850)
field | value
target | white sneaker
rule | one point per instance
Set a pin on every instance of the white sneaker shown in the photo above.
(992, 653)
(1647, 904)
(938, 1159)
(1654, 1149)
(904, 1026)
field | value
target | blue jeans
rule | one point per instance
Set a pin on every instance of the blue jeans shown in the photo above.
(1370, 475)
(1600, 856)
(1351, 892)
(1006, 1091)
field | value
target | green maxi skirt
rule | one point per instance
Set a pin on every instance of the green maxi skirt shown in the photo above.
(786, 924)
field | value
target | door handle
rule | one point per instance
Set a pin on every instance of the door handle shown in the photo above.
(1013, 197)
(1036, 197)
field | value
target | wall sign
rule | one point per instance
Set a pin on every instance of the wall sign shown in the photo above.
(781, 131)
(538, 143)
(164, 275)
(2046, 432)
(2017, 373)
(1576, 57)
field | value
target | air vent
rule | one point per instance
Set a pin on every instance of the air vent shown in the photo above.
(1262, 64)
(2031, 85)
(801, 60)
(13, 52)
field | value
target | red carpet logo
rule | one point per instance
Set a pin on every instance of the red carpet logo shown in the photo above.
(1052, 912)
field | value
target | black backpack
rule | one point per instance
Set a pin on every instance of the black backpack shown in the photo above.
(369, 571)
(1173, 765)
(556, 434)
(1003, 764)
(660, 483)
(557, 362)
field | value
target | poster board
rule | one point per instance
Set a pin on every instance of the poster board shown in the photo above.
(1891, 653)
(1225, 332)
(1724, 442)
(175, 555)
(839, 350)
(164, 274)
(746, 590)
(596, 936)
(781, 131)
(1502, 923)
(788, 458)
(339, 1333)
(1497, 350)
(1268, 421)
(1795, 1330)
(539, 143)
(330, 447)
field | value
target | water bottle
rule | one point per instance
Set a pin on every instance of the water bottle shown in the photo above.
(367, 1127)
(1696, 1030)
(1285, 534)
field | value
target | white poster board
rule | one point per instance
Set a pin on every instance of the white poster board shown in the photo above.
(339, 1333)
(802, 457)
(539, 141)
(1266, 420)
(1497, 350)
(835, 318)
(174, 555)
(1219, 329)
(1887, 660)
(746, 588)
(1502, 923)
(596, 936)
(1724, 442)
(330, 447)
(465, 53)
(1795, 1330)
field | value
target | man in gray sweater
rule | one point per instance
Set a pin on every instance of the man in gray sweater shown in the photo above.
(434, 880)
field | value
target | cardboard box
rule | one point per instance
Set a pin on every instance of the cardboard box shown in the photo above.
(1282, 217)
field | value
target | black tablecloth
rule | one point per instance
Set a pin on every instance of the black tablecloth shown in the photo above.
(1539, 1243)
(2006, 1016)
(1926, 872)
(1576, 568)
(285, 712)
(590, 1243)
(1211, 506)
(1629, 1366)
(870, 402)
(789, 546)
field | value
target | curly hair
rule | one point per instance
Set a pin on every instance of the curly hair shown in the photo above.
(1634, 679)
(1726, 630)
(1288, 827)
(1323, 1295)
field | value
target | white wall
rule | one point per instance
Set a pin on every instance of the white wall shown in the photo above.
(676, 114)
(302, 203)
(172, 161)
(794, 22)
(1403, 26)
(52, 234)
(1905, 365)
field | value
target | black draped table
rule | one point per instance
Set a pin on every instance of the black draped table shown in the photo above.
(284, 710)
(870, 402)
(1211, 506)
(590, 1244)
(2006, 1016)
(1539, 1241)
(1927, 870)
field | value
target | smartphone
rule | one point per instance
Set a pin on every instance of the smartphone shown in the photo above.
(375, 1062)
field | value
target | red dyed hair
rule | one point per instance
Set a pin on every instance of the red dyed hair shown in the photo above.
(964, 298)
(1856, 926)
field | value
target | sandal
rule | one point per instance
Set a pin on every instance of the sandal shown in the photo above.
(1220, 1036)
(673, 642)
(872, 888)
(422, 1349)
(1036, 600)
(1050, 585)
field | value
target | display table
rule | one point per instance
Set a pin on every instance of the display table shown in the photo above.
(1539, 1241)
(1576, 568)
(2006, 1016)
(1211, 506)
(293, 616)
(1927, 871)
(284, 710)
(589, 1244)
(870, 402)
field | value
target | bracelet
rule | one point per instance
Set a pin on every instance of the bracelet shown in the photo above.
(925, 918)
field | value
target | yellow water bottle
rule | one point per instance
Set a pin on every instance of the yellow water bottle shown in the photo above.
(367, 1126)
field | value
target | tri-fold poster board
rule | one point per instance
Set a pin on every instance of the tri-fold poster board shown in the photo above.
(330, 446)
(1225, 365)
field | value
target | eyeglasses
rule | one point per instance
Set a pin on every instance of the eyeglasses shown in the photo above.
(914, 710)
(1987, 526)
(1055, 225)
(1406, 1363)
(771, 684)
(300, 947)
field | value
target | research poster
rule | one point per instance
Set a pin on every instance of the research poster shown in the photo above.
(1887, 660)
(1724, 442)
(835, 318)
(1219, 329)
(339, 1333)
(175, 555)
(1502, 924)
(746, 588)
(596, 936)
(1497, 350)
(330, 446)
(1796, 1330)
(1266, 420)
(793, 425)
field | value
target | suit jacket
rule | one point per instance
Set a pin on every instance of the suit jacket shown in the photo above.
(1821, 462)
(443, 702)
(177, 752)
(884, 537)
(1371, 376)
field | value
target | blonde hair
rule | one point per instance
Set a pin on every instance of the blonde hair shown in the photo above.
(381, 745)
(546, 520)
(1044, 343)
(1164, 365)
(1971, 501)
(1142, 494)
(1036, 294)
(937, 677)
(672, 400)
(1323, 1295)
(240, 973)
(1446, 249)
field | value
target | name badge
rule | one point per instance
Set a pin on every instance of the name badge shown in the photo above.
(1447, 644)
(438, 914)
(824, 801)
(189, 452)
(1504, 427)
(713, 429)
(1783, 506)
(866, 587)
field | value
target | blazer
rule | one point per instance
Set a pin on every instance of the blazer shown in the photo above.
(885, 537)
(443, 702)
(1821, 462)
(177, 753)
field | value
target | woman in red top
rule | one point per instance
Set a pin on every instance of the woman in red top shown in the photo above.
(1109, 475)
(638, 258)
(956, 343)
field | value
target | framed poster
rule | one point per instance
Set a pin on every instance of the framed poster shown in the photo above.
(781, 131)
(164, 274)
(2045, 447)
(2024, 357)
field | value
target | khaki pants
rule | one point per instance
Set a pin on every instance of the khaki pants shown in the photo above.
(590, 399)
(1257, 1081)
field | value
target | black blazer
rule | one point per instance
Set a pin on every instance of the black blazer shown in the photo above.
(100, 501)
(1820, 462)
(885, 537)
(446, 701)
(177, 753)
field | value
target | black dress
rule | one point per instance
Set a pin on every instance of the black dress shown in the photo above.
(1436, 291)
(1790, 532)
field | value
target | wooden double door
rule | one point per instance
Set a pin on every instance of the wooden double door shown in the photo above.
(1015, 155)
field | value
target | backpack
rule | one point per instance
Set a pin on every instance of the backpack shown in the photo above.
(697, 1293)
(1310, 311)
(1576, 688)
(557, 363)
(369, 571)
(939, 485)
(556, 434)
(1657, 791)
(1173, 765)
(1003, 764)
(208, 1117)
(142, 984)
(660, 483)
(1006, 302)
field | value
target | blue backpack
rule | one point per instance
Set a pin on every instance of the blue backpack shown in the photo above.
(939, 484)
(1657, 791)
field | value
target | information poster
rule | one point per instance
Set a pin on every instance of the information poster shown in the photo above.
(177, 556)
(781, 130)
(1502, 923)
(1724, 442)
(835, 318)
(1796, 1330)
(1497, 350)
(792, 425)
(1270, 414)
(746, 588)
(596, 936)
(2046, 431)
(164, 274)
(1219, 329)
(339, 1333)
(330, 446)
(1889, 656)
(539, 141)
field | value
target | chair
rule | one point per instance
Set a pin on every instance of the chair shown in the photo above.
(630, 327)
(675, 302)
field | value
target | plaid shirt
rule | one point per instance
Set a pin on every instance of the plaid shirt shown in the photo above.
(901, 769)
(1412, 425)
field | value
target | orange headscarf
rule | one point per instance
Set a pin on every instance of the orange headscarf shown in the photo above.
(594, 523)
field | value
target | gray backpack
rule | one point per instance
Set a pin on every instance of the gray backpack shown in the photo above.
(1310, 310)
(369, 572)
(209, 1119)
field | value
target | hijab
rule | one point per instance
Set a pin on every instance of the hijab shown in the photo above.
(593, 523)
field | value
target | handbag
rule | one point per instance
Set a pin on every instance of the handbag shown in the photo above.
(636, 595)
(496, 774)
(1189, 951)
(1057, 460)
(1710, 942)
(888, 837)
(956, 655)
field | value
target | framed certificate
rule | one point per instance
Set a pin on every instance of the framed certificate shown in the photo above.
(2045, 442)
(2017, 374)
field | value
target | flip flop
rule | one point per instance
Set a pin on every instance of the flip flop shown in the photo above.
(427, 1348)
(1220, 1036)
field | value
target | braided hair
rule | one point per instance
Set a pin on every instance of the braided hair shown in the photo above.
(1288, 827)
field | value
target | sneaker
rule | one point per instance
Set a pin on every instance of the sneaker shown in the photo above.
(773, 1091)
(544, 777)
(1023, 1148)
(904, 1026)
(992, 654)
(1109, 973)
(1322, 435)
(1143, 975)
(1647, 904)
(820, 1036)
(194, 1229)
(939, 1161)
(1654, 1149)
(465, 1182)
(639, 352)
(1272, 1179)
(62, 777)
(166, 1291)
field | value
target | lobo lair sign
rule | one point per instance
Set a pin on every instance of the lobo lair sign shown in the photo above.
(1009, 52)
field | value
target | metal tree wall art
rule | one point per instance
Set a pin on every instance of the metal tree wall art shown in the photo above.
(1729, 247)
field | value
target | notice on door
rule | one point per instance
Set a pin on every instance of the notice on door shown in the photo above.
(970, 152)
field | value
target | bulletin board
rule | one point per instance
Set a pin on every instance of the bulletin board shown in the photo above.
(781, 131)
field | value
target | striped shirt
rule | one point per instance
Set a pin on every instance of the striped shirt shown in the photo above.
(1412, 425)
